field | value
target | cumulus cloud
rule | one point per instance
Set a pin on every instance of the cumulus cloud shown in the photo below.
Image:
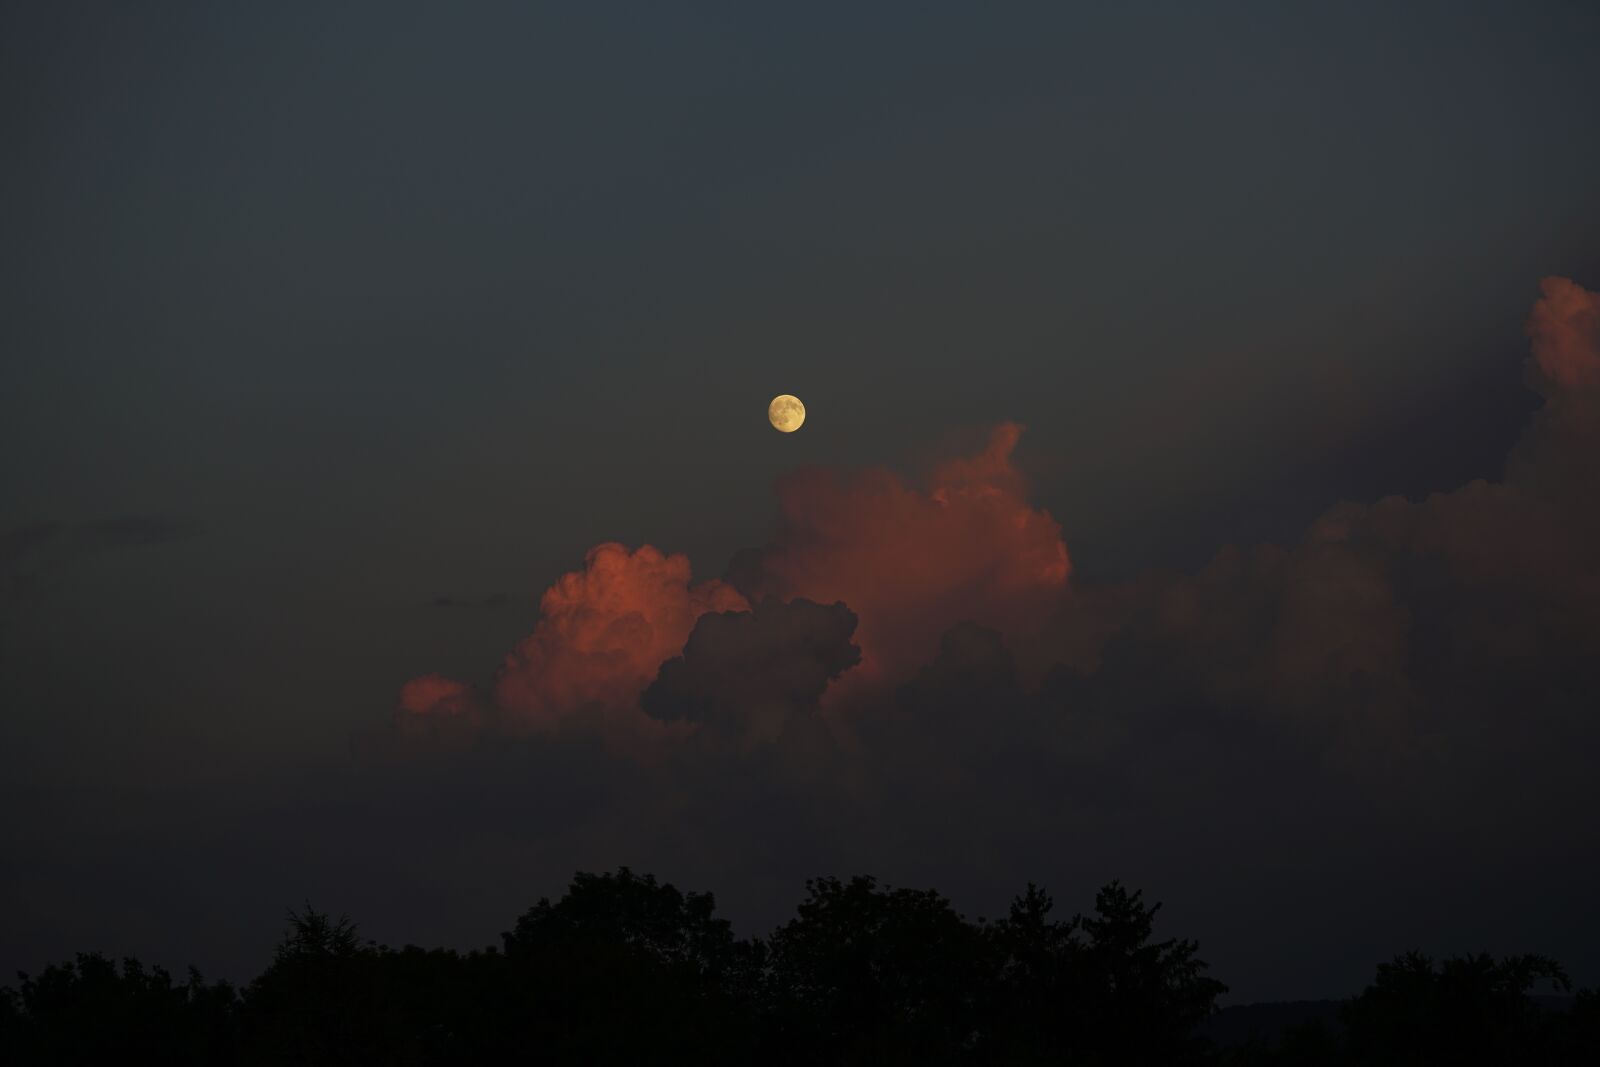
(1565, 331)
(1398, 629)
(1393, 631)
(911, 562)
(908, 561)
(601, 635)
(750, 670)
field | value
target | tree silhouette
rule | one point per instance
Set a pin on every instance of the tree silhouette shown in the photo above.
(1096, 989)
(1573, 1036)
(870, 975)
(1035, 1000)
(316, 1001)
(90, 1011)
(624, 969)
(1149, 996)
(624, 946)
(1470, 1009)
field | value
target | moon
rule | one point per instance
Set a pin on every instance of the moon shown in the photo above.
(786, 413)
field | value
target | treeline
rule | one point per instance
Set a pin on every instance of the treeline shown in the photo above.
(625, 970)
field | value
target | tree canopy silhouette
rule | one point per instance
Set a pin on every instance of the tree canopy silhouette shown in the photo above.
(625, 969)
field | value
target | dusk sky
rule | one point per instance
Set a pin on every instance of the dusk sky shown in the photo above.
(1200, 483)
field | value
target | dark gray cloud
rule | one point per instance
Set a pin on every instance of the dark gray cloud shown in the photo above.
(471, 600)
(35, 555)
(63, 540)
(748, 671)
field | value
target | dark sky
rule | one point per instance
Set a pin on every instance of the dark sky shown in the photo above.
(332, 334)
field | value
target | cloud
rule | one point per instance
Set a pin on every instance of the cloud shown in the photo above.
(435, 714)
(601, 635)
(62, 540)
(749, 671)
(911, 562)
(1409, 643)
(434, 694)
(491, 600)
(1349, 640)
(1565, 331)
(1398, 630)
(957, 716)
(34, 555)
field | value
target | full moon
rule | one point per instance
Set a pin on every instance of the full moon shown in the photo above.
(786, 413)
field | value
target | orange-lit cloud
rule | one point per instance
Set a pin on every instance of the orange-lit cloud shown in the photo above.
(1565, 330)
(1310, 631)
(436, 694)
(604, 631)
(912, 562)
(602, 634)
(1405, 642)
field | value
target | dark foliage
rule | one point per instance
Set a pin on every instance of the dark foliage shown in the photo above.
(1473, 1006)
(870, 975)
(1465, 1010)
(623, 969)
(92, 1011)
